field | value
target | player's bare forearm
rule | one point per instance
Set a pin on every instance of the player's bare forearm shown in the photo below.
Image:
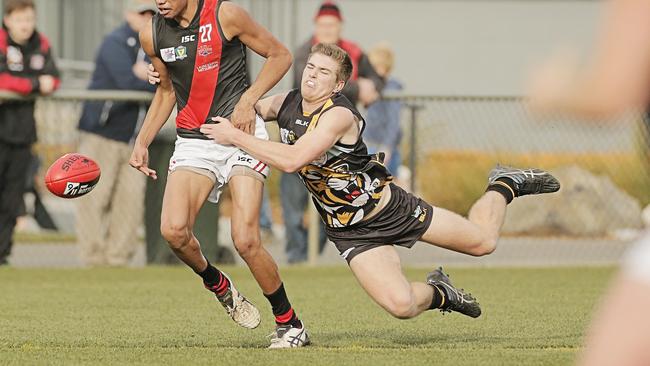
(288, 158)
(160, 110)
(236, 22)
(276, 154)
(275, 67)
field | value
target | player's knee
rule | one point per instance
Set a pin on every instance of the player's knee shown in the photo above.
(177, 235)
(401, 307)
(246, 243)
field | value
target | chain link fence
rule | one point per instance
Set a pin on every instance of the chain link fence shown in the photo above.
(449, 145)
(450, 140)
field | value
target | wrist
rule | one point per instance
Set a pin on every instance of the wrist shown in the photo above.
(247, 101)
(235, 136)
(139, 142)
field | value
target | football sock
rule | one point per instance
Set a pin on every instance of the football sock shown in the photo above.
(439, 296)
(284, 313)
(214, 280)
(504, 186)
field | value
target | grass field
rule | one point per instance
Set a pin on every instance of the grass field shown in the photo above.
(162, 316)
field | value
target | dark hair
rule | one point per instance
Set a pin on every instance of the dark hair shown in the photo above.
(339, 55)
(13, 5)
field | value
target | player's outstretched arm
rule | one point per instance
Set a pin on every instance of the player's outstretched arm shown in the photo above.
(159, 111)
(236, 22)
(332, 126)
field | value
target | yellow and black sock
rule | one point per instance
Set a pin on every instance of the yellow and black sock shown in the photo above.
(439, 298)
(504, 186)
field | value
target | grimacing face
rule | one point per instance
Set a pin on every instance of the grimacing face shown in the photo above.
(319, 80)
(21, 24)
(170, 9)
(328, 29)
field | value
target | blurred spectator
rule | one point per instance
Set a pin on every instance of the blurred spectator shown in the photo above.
(364, 84)
(383, 131)
(26, 67)
(108, 219)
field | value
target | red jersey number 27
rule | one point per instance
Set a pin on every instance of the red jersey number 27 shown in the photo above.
(206, 33)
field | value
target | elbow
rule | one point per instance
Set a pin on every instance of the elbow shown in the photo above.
(283, 56)
(289, 169)
(291, 166)
(288, 58)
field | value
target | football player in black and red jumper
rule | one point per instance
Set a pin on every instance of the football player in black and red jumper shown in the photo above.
(199, 49)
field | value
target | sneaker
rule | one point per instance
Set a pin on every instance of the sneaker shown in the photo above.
(242, 311)
(527, 181)
(288, 336)
(455, 299)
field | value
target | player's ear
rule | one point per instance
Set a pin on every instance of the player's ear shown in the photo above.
(339, 87)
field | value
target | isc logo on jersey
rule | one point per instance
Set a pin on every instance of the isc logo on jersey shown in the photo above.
(187, 39)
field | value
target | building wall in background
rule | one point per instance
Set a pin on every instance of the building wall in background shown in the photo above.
(443, 46)
(464, 47)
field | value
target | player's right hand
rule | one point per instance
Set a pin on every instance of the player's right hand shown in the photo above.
(140, 160)
(153, 75)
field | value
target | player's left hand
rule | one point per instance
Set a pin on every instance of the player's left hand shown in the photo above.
(221, 132)
(152, 75)
(243, 117)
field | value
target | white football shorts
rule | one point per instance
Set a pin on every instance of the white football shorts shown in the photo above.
(218, 160)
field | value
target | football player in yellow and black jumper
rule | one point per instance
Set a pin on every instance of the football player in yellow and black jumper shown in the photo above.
(365, 215)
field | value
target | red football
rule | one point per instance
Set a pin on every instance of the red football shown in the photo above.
(72, 176)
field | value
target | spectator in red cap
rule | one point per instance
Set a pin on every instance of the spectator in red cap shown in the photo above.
(363, 87)
(364, 84)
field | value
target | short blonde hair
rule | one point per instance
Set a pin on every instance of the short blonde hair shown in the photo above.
(339, 55)
(382, 55)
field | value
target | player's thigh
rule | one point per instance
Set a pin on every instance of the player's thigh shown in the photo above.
(185, 193)
(452, 231)
(379, 272)
(246, 192)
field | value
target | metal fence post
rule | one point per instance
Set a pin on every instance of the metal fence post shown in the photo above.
(313, 235)
(413, 144)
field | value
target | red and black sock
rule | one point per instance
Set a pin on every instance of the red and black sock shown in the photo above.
(214, 280)
(504, 186)
(284, 313)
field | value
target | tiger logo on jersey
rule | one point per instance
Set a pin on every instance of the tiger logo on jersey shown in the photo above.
(344, 197)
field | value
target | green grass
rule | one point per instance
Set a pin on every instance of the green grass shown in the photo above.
(162, 315)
